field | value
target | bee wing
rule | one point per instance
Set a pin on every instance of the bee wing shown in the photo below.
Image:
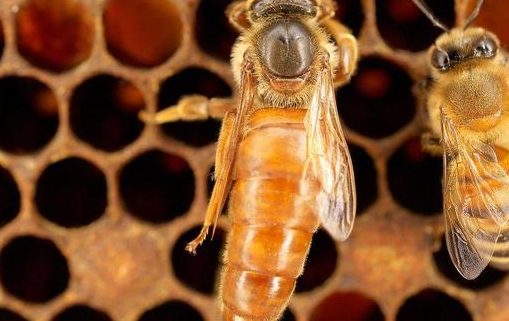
(473, 179)
(328, 161)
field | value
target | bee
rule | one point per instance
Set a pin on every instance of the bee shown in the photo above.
(468, 105)
(281, 156)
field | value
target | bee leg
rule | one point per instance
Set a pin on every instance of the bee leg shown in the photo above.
(218, 196)
(347, 49)
(431, 144)
(190, 108)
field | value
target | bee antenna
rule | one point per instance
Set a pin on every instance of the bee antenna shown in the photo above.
(427, 11)
(474, 13)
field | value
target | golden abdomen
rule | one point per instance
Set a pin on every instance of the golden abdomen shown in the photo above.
(272, 226)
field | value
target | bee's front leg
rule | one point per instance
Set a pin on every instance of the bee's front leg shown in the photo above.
(190, 108)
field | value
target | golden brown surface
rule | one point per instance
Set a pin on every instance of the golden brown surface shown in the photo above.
(127, 259)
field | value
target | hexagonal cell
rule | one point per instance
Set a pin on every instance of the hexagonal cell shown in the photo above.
(430, 304)
(33, 269)
(28, 114)
(81, 313)
(104, 112)
(415, 178)
(365, 178)
(379, 100)
(347, 306)
(7, 315)
(55, 34)
(288, 316)
(10, 200)
(349, 13)
(192, 81)
(157, 187)
(198, 271)
(320, 263)
(71, 192)
(142, 33)
(216, 41)
(403, 26)
(490, 276)
(172, 311)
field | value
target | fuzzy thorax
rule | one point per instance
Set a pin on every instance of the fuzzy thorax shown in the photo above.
(267, 94)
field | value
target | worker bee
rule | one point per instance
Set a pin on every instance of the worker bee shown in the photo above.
(468, 104)
(281, 156)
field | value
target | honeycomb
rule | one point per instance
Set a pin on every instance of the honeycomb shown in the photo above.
(96, 206)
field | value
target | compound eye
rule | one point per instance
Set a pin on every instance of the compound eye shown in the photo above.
(440, 59)
(486, 47)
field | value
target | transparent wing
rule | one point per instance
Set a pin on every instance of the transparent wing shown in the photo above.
(474, 189)
(328, 175)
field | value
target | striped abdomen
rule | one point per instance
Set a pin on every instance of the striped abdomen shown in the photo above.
(272, 226)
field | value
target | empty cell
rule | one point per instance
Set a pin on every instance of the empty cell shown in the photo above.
(217, 40)
(198, 271)
(415, 178)
(81, 313)
(192, 81)
(54, 34)
(9, 197)
(171, 311)
(320, 263)
(7, 315)
(288, 315)
(347, 306)
(349, 13)
(378, 101)
(33, 269)
(142, 33)
(490, 276)
(403, 26)
(365, 178)
(431, 304)
(157, 187)
(28, 114)
(104, 112)
(71, 193)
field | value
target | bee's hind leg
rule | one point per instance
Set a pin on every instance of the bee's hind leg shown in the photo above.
(190, 108)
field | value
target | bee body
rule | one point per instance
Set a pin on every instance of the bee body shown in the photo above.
(272, 225)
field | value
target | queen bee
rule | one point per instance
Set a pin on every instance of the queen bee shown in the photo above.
(281, 154)
(468, 104)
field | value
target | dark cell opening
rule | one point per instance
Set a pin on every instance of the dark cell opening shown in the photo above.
(71, 193)
(157, 187)
(199, 271)
(151, 36)
(55, 34)
(28, 114)
(81, 313)
(320, 263)
(216, 41)
(6, 315)
(347, 306)
(403, 26)
(415, 178)
(349, 13)
(365, 178)
(172, 311)
(487, 278)
(288, 315)
(33, 269)
(104, 112)
(10, 200)
(433, 305)
(379, 101)
(192, 81)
